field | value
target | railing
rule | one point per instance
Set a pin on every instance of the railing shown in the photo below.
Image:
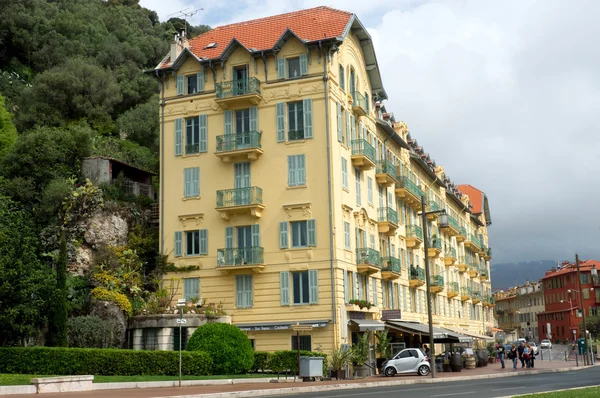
(135, 188)
(417, 274)
(359, 100)
(362, 147)
(386, 167)
(435, 244)
(475, 240)
(453, 223)
(489, 252)
(240, 256)
(387, 214)
(405, 182)
(433, 206)
(437, 280)
(391, 264)
(453, 287)
(473, 265)
(451, 252)
(235, 88)
(233, 142)
(414, 231)
(239, 197)
(465, 291)
(463, 260)
(483, 272)
(476, 295)
(368, 256)
(192, 148)
(462, 231)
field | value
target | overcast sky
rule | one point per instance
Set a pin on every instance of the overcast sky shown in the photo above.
(504, 94)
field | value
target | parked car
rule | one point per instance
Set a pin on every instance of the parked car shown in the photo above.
(535, 348)
(546, 343)
(409, 360)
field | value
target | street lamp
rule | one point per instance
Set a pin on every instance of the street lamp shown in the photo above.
(570, 310)
(443, 223)
(180, 304)
(582, 308)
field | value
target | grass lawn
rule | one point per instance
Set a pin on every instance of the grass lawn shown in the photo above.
(19, 379)
(591, 392)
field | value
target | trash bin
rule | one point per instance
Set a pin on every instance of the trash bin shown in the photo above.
(311, 366)
(581, 346)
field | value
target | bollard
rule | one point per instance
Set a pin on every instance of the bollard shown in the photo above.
(576, 359)
(542, 355)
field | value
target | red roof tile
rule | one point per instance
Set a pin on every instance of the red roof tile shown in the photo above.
(475, 197)
(584, 266)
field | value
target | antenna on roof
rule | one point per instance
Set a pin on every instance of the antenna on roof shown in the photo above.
(185, 14)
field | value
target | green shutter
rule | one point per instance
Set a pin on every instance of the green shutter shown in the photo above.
(178, 136)
(367, 280)
(281, 68)
(180, 84)
(200, 80)
(346, 287)
(254, 118)
(255, 235)
(312, 232)
(229, 231)
(284, 287)
(191, 288)
(348, 128)
(196, 181)
(300, 170)
(228, 130)
(280, 107)
(204, 241)
(292, 171)
(339, 123)
(202, 119)
(239, 291)
(374, 291)
(354, 285)
(303, 65)
(283, 235)
(313, 286)
(187, 182)
(360, 287)
(307, 109)
(353, 127)
(178, 246)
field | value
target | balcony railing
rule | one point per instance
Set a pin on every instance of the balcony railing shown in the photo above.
(192, 148)
(405, 182)
(476, 296)
(359, 101)
(414, 231)
(435, 244)
(453, 287)
(239, 197)
(465, 291)
(240, 256)
(462, 231)
(295, 135)
(386, 167)
(236, 88)
(433, 206)
(391, 264)
(368, 256)
(450, 252)
(483, 273)
(437, 280)
(387, 214)
(237, 141)
(362, 147)
(417, 274)
(475, 240)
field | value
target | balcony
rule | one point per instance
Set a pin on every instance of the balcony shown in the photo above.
(432, 206)
(462, 265)
(409, 192)
(387, 222)
(437, 284)
(434, 248)
(473, 270)
(488, 254)
(462, 234)
(465, 294)
(476, 298)
(473, 243)
(484, 274)
(450, 257)
(482, 250)
(240, 201)
(452, 289)
(359, 104)
(391, 268)
(363, 154)
(238, 93)
(488, 301)
(414, 236)
(417, 277)
(239, 146)
(385, 174)
(245, 258)
(368, 261)
(452, 228)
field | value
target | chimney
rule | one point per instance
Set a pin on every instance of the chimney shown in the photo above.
(178, 44)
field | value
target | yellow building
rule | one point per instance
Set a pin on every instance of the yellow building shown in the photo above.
(287, 184)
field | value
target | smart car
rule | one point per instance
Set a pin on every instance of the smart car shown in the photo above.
(409, 360)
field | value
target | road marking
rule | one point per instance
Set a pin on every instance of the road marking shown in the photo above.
(509, 388)
(456, 393)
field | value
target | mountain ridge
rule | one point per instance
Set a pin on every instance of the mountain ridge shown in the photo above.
(507, 275)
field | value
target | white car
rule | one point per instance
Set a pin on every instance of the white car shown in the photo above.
(546, 344)
(409, 360)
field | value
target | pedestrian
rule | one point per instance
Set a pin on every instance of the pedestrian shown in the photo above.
(501, 355)
(512, 355)
(532, 356)
(426, 349)
(520, 351)
(526, 351)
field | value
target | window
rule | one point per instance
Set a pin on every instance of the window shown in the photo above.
(191, 288)
(191, 182)
(342, 78)
(243, 290)
(299, 233)
(296, 171)
(586, 294)
(149, 339)
(192, 239)
(295, 121)
(184, 334)
(358, 195)
(303, 233)
(367, 101)
(192, 135)
(305, 343)
(300, 287)
(344, 173)
(293, 67)
(370, 189)
(192, 84)
(347, 235)
(242, 120)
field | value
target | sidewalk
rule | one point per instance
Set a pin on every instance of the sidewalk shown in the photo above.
(265, 389)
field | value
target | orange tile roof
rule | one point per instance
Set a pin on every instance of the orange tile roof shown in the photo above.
(584, 266)
(475, 197)
(262, 34)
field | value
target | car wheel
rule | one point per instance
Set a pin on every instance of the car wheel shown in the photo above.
(390, 371)
(423, 370)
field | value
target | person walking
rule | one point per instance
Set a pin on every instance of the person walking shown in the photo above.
(501, 354)
(520, 350)
(526, 352)
(513, 354)
(532, 355)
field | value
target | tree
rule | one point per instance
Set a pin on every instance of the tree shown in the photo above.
(57, 328)
(8, 131)
(141, 124)
(192, 31)
(25, 283)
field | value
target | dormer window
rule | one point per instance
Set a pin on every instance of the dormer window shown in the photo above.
(290, 68)
(211, 45)
(293, 67)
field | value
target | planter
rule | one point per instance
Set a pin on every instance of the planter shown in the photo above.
(456, 362)
(482, 358)
(361, 371)
(339, 374)
(492, 360)
(470, 363)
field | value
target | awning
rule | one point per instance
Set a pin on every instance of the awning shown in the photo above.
(420, 328)
(282, 325)
(461, 337)
(474, 335)
(365, 325)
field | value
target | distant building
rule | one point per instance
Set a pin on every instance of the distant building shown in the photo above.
(517, 311)
(104, 170)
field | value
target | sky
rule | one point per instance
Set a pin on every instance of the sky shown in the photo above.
(504, 94)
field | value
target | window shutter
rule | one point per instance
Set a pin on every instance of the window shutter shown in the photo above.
(228, 122)
(360, 287)
(353, 127)
(307, 109)
(312, 232)
(348, 128)
(344, 173)
(375, 291)
(392, 289)
(229, 231)
(313, 286)
(360, 131)
(281, 68)
(187, 182)
(365, 240)
(301, 170)
(280, 107)
(178, 246)
(204, 241)
(255, 235)
(346, 287)
(187, 287)
(248, 290)
(303, 65)
(284, 287)
(239, 291)
(180, 84)
(202, 119)
(339, 123)
(254, 118)
(283, 235)
(200, 81)
(195, 181)
(367, 280)
(354, 285)
(178, 136)
(292, 171)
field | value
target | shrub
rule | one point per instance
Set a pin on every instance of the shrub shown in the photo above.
(103, 294)
(283, 361)
(104, 362)
(93, 332)
(261, 361)
(229, 347)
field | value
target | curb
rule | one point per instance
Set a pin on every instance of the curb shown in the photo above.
(353, 386)
(184, 383)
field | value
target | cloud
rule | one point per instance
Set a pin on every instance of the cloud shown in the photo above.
(504, 94)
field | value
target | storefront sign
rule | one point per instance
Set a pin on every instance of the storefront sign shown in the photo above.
(390, 314)
(254, 328)
(357, 315)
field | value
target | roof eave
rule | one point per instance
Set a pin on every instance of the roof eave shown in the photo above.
(392, 133)
(426, 169)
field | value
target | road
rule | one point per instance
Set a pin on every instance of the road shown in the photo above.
(497, 387)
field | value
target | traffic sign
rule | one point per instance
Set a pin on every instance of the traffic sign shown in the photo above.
(182, 321)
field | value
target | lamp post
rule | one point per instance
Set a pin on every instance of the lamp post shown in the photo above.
(443, 221)
(585, 358)
(180, 321)
(570, 312)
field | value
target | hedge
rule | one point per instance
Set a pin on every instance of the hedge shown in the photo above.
(101, 361)
(282, 361)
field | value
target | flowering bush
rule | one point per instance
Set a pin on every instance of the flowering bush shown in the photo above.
(361, 303)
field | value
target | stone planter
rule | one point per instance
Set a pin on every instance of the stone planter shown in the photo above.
(361, 371)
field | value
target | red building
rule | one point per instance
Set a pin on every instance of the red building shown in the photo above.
(563, 307)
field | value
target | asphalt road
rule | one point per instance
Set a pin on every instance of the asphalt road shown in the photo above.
(489, 388)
